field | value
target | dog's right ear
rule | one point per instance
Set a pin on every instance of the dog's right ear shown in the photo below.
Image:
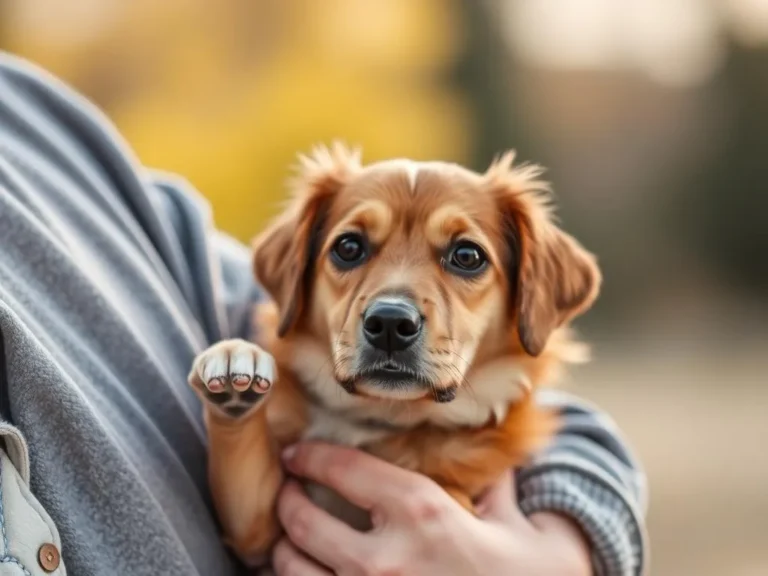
(284, 254)
(552, 277)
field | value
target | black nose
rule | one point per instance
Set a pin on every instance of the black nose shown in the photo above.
(391, 325)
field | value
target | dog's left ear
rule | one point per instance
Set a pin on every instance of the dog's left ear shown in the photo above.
(285, 253)
(552, 277)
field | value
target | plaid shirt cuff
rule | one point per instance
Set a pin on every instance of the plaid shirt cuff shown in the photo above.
(578, 489)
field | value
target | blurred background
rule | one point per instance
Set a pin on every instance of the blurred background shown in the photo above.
(651, 116)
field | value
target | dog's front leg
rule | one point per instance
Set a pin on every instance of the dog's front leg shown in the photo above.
(234, 378)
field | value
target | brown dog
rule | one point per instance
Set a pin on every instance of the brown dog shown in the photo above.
(415, 306)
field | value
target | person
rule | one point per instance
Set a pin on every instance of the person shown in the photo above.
(112, 279)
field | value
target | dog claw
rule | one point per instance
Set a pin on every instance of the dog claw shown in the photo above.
(241, 382)
(262, 384)
(216, 386)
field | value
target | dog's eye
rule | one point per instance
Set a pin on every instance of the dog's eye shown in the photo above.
(349, 250)
(467, 258)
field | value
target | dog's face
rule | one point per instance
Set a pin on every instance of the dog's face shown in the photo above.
(411, 274)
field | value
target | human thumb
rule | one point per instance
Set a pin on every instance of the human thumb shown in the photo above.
(500, 501)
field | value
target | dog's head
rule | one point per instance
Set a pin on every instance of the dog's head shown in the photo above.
(412, 273)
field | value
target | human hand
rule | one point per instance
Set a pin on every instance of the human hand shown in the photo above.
(417, 527)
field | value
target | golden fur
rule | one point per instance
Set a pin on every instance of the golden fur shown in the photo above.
(489, 341)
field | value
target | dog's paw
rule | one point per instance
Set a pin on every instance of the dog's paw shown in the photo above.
(233, 377)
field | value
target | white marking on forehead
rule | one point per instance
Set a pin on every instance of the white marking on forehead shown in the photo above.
(410, 167)
(412, 170)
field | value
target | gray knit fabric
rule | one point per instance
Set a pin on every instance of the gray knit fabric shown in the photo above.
(111, 280)
(589, 475)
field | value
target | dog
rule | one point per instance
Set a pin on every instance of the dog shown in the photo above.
(414, 309)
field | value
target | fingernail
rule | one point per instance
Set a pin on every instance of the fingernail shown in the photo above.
(289, 452)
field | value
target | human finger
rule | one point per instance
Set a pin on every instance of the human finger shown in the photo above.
(320, 535)
(361, 478)
(288, 561)
(499, 502)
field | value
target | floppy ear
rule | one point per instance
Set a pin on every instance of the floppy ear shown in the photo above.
(285, 253)
(557, 281)
(552, 277)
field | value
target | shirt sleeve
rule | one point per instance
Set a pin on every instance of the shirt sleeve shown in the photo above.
(589, 474)
(216, 274)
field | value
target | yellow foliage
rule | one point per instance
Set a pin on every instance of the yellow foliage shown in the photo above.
(194, 93)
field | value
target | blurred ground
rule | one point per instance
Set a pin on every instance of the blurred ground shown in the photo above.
(696, 415)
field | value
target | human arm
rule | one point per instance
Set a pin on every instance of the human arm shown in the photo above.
(590, 475)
